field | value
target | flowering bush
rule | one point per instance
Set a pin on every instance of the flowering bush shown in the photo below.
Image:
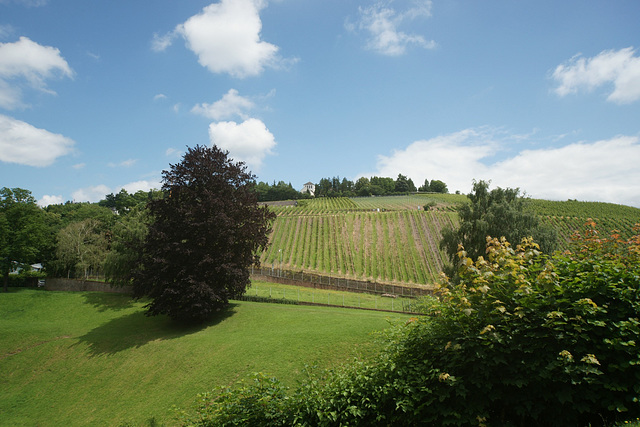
(521, 339)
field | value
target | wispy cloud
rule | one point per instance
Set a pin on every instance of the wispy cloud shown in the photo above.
(28, 63)
(123, 164)
(620, 68)
(382, 24)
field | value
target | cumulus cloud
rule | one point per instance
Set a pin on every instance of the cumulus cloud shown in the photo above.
(91, 194)
(226, 38)
(24, 144)
(619, 68)
(249, 141)
(27, 62)
(231, 105)
(381, 22)
(96, 193)
(47, 200)
(604, 170)
(142, 185)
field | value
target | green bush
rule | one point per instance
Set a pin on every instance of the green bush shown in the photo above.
(523, 339)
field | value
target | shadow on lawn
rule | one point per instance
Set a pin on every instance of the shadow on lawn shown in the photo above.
(135, 330)
(108, 301)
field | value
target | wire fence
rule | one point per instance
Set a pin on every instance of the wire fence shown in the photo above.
(308, 296)
(318, 281)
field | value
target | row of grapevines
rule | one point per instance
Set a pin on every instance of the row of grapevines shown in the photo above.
(400, 246)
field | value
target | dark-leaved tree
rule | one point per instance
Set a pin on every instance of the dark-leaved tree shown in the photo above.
(203, 237)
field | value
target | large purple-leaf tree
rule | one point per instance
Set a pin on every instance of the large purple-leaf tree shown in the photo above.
(204, 236)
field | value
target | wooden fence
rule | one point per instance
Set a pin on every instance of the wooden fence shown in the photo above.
(312, 280)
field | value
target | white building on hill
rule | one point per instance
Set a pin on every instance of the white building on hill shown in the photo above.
(310, 188)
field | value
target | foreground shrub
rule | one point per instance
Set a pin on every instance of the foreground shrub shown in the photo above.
(523, 339)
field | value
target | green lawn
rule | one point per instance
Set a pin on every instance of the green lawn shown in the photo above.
(94, 358)
(323, 296)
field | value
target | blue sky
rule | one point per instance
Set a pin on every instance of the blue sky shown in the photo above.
(96, 96)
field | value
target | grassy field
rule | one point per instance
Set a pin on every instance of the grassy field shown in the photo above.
(94, 358)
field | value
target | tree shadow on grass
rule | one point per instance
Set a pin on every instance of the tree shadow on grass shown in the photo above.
(109, 301)
(135, 330)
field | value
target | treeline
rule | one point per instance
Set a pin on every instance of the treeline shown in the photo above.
(279, 191)
(78, 240)
(375, 186)
(336, 187)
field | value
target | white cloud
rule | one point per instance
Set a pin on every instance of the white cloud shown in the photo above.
(382, 23)
(30, 62)
(159, 97)
(619, 68)
(454, 159)
(96, 193)
(226, 38)
(604, 170)
(24, 144)
(79, 166)
(47, 200)
(91, 194)
(230, 106)
(143, 185)
(249, 141)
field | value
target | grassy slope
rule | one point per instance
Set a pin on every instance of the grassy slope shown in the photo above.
(91, 358)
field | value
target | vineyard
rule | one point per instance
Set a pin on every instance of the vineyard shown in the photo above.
(394, 239)
(386, 239)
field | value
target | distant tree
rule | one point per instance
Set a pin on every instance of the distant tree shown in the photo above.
(425, 187)
(362, 187)
(23, 233)
(438, 186)
(204, 235)
(323, 188)
(496, 213)
(381, 186)
(127, 244)
(82, 247)
(123, 202)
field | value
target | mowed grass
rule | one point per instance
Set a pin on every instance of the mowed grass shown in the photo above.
(95, 359)
(277, 291)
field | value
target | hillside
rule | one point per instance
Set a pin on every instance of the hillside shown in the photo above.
(394, 240)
